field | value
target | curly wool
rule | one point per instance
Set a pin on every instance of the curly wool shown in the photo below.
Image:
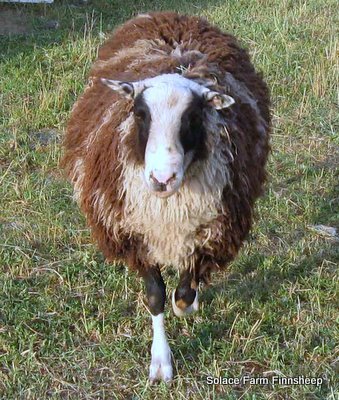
(203, 225)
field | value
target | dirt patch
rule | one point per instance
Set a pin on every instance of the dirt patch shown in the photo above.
(45, 137)
(14, 22)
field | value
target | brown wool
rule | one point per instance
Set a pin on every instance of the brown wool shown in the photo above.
(100, 157)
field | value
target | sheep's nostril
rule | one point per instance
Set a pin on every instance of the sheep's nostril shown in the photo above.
(171, 179)
(153, 178)
(161, 179)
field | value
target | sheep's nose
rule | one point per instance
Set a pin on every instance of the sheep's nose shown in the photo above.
(162, 178)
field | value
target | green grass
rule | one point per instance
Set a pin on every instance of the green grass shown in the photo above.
(74, 327)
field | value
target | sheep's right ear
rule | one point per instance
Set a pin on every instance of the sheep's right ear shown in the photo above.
(124, 88)
(217, 100)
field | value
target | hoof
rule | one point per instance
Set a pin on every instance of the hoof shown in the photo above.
(161, 363)
(182, 311)
(161, 369)
(160, 372)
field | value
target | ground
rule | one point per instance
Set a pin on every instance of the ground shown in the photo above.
(75, 327)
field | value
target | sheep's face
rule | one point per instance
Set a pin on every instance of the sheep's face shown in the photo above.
(169, 112)
(171, 134)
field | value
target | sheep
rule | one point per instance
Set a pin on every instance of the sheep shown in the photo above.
(166, 150)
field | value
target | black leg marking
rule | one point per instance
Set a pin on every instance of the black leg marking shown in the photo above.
(186, 289)
(155, 290)
(161, 366)
(185, 297)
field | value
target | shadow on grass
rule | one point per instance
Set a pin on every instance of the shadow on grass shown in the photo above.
(257, 279)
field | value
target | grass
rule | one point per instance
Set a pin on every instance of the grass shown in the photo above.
(74, 327)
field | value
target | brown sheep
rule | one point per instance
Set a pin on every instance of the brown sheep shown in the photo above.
(166, 150)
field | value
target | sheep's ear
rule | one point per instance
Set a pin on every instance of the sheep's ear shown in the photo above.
(124, 88)
(218, 100)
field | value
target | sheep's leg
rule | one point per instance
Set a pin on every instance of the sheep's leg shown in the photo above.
(161, 366)
(185, 296)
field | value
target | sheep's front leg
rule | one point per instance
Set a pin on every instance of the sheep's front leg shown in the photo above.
(185, 296)
(161, 366)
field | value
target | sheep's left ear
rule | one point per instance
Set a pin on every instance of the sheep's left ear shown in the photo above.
(217, 100)
(124, 88)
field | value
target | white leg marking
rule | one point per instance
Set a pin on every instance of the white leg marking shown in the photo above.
(193, 307)
(161, 365)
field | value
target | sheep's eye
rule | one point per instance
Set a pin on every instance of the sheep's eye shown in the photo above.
(140, 114)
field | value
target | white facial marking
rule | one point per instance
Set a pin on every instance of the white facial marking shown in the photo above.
(161, 365)
(167, 97)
